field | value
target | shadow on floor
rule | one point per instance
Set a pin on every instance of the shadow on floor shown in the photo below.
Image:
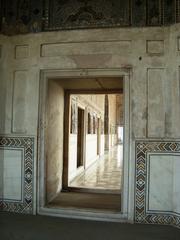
(95, 201)
(27, 227)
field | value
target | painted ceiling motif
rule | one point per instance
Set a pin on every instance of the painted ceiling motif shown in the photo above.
(23, 16)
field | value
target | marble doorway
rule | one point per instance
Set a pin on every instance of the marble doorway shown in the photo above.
(60, 75)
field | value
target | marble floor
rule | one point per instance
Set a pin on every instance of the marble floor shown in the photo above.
(105, 174)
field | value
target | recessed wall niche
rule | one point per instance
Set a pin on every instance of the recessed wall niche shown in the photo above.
(20, 100)
(0, 51)
(178, 43)
(21, 51)
(155, 47)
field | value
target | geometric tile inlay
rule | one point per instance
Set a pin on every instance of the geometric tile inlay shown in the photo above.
(142, 150)
(27, 144)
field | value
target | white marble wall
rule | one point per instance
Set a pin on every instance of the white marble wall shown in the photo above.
(54, 139)
(72, 170)
(91, 149)
(152, 54)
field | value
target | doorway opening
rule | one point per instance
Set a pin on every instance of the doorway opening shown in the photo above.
(72, 121)
(95, 121)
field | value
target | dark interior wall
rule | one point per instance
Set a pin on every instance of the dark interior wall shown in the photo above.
(23, 16)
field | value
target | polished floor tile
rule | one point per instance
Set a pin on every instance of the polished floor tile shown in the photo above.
(105, 174)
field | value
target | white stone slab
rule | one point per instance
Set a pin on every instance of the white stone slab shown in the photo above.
(163, 191)
(12, 179)
(63, 49)
(160, 182)
(176, 185)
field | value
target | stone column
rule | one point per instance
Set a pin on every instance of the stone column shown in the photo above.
(106, 122)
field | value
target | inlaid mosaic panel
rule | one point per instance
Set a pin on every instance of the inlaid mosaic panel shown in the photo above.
(177, 10)
(139, 12)
(169, 16)
(104, 13)
(143, 148)
(81, 14)
(27, 145)
(23, 16)
(154, 13)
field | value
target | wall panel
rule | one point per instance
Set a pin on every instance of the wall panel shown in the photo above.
(17, 161)
(156, 186)
(20, 102)
(75, 48)
(0, 51)
(12, 174)
(155, 47)
(156, 102)
(21, 51)
(160, 182)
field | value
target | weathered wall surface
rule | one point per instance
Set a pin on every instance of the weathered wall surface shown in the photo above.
(54, 139)
(153, 55)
